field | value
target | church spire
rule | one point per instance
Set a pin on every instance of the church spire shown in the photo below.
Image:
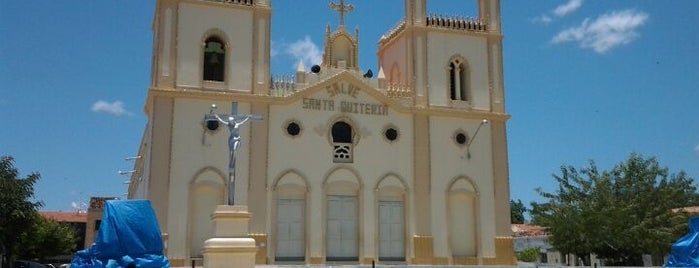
(341, 8)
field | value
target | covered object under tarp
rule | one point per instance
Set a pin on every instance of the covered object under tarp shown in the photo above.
(128, 236)
(685, 251)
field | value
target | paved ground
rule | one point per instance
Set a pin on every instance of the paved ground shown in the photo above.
(369, 266)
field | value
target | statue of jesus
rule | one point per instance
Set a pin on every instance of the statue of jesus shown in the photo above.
(234, 121)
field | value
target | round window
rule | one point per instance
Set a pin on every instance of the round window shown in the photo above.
(293, 129)
(461, 138)
(391, 134)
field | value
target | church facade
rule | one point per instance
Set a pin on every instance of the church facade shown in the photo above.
(405, 166)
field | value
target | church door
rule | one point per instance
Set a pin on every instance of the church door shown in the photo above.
(391, 231)
(291, 244)
(342, 235)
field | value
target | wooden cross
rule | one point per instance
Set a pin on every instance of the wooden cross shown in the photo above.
(341, 8)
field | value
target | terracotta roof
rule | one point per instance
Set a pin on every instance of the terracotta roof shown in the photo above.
(690, 210)
(524, 230)
(61, 216)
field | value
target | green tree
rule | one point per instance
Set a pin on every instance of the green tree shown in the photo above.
(619, 214)
(47, 238)
(529, 254)
(17, 211)
(517, 210)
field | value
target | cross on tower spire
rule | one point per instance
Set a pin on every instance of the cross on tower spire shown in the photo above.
(341, 8)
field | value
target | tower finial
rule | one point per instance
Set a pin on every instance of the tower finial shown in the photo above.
(341, 8)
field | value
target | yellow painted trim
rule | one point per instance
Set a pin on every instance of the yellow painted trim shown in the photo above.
(440, 261)
(490, 261)
(424, 249)
(345, 76)
(176, 262)
(316, 260)
(422, 175)
(504, 251)
(465, 260)
(262, 247)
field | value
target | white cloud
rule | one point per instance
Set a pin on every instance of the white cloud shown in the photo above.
(544, 19)
(305, 50)
(567, 8)
(115, 108)
(606, 32)
(273, 51)
(559, 12)
(696, 149)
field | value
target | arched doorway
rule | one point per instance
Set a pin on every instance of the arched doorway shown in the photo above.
(462, 218)
(207, 192)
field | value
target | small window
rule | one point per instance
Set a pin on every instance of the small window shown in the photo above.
(342, 142)
(391, 134)
(214, 59)
(293, 129)
(458, 80)
(342, 132)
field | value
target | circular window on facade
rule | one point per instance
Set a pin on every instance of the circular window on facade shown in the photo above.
(293, 129)
(391, 134)
(460, 138)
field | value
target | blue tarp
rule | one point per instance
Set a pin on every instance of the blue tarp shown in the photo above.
(128, 236)
(685, 251)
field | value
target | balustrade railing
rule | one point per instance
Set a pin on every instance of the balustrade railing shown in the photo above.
(282, 85)
(399, 91)
(393, 31)
(286, 85)
(237, 2)
(456, 23)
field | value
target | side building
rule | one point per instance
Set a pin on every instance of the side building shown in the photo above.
(410, 166)
(76, 220)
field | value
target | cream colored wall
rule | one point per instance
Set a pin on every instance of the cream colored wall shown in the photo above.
(449, 162)
(441, 47)
(237, 25)
(161, 109)
(395, 54)
(141, 190)
(206, 193)
(194, 150)
(311, 154)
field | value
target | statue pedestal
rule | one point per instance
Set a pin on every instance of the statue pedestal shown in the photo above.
(230, 246)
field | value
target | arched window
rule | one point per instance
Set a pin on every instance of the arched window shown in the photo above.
(342, 142)
(214, 59)
(458, 80)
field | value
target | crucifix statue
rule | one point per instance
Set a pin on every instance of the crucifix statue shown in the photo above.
(233, 121)
(341, 8)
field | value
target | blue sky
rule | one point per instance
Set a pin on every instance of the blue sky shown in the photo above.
(584, 80)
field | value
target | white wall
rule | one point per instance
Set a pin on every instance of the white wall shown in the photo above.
(395, 54)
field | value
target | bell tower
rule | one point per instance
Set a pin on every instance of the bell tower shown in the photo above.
(449, 60)
(204, 52)
(221, 45)
(453, 63)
